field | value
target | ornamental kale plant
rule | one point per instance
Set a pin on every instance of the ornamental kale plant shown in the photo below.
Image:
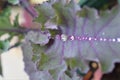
(65, 35)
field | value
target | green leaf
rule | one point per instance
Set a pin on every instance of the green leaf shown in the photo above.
(37, 50)
(76, 62)
(49, 61)
(16, 22)
(72, 63)
(44, 59)
(5, 23)
(4, 45)
(4, 18)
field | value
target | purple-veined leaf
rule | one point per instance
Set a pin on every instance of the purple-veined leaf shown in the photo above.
(46, 62)
(92, 37)
(84, 38)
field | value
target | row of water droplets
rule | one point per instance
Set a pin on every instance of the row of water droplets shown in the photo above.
(65, 37)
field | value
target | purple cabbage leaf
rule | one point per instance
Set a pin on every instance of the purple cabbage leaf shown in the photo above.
(85, 35)
(45, 11)
(42, 64)
(91, 36)
(30, 66)
(38, 37)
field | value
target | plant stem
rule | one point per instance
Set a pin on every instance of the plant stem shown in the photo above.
(18, 30)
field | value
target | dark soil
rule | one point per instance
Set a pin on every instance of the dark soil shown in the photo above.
(114, 75)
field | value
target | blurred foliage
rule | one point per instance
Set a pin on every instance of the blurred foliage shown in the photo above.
(16, 21)
(13, 1)
(4, 18)
(98, 4)
(4, 45)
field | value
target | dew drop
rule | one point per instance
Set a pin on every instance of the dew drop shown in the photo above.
(104, 39)
(95, 39)
(110, 40)
(101, 39)
(57, 37)
(113, 40)
(64, 37)
(83, 38)
(86, 38)
(79, 38)
(90, 39)
(72, 37)
(118, 39)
